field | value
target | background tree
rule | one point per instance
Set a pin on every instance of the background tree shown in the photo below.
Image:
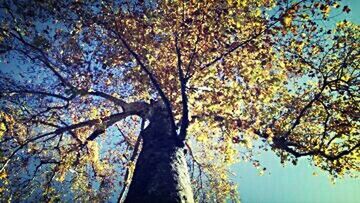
(112, 91)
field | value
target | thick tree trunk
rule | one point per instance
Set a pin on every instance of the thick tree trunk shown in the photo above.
(161, 173)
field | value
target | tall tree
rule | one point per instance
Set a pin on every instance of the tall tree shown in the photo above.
(127, 97)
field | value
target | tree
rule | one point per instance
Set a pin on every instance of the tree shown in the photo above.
(116, 97)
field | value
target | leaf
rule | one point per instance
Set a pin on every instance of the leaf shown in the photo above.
(3, 174)
(2, 129)
(325, 10)
(287, 21)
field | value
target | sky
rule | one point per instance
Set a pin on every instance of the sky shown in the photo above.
(295, 184)
(292, 184)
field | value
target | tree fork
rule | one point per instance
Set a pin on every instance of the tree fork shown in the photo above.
(161, 173)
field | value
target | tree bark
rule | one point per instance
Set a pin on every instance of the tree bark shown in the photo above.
(161, 173)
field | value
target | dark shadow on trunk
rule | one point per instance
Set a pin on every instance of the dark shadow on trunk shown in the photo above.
(161, 173)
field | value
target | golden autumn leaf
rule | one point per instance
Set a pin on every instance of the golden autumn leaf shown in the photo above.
(287, 21)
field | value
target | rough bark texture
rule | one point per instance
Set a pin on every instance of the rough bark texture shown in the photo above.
(161, 173)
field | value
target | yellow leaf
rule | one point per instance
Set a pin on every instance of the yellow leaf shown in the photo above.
(2, 129)
(326, 10)
(286, 21)
(257, 13)
(269, 132)
(3, 175)
(93, 113)
(201, 138)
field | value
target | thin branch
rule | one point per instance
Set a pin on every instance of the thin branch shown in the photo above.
(111, 98)
(240, 44)
(45, 60)
(35, 92)
(132, 159)
(305, 108)
(111, 119)
(192, 56)
(281, 143)
(150, 75)
(184, 99)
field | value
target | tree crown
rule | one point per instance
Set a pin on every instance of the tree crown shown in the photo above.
(234, 76)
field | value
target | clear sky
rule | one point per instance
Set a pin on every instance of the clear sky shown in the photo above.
(292, 184)
(296, 184)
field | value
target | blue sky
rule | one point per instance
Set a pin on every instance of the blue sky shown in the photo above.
(296, 184)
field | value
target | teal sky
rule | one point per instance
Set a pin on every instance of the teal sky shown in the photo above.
(296, 184)
(292, 184)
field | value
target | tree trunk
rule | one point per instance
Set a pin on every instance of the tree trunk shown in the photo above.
(161, 173)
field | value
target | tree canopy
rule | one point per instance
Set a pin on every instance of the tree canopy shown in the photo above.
(235, 76)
